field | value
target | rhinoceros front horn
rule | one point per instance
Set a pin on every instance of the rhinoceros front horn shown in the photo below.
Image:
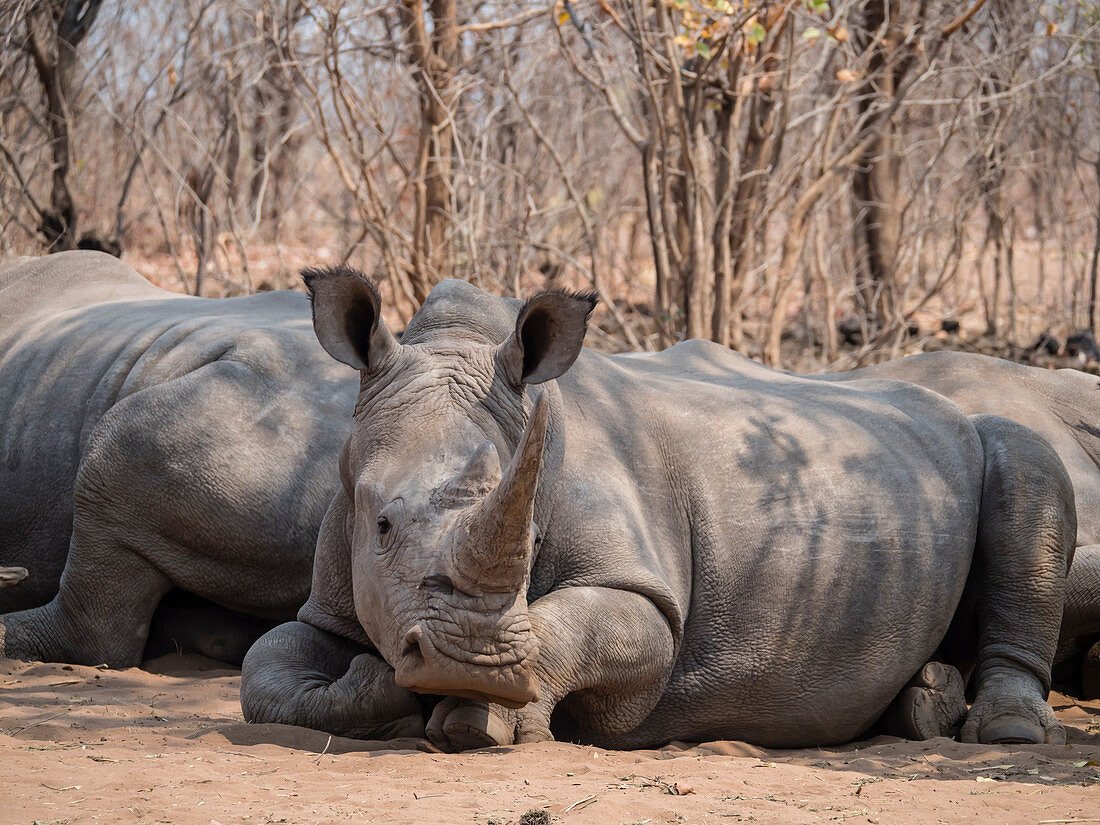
(495, 554)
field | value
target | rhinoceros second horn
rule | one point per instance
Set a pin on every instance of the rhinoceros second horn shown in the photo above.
(497, 553)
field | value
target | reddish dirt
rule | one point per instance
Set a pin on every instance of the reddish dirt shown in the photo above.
(168, 745)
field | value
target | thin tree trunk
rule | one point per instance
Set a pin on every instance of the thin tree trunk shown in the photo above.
(54, 30)
(723, 255)
(435, 55)
(657, 237)
(1095, 265)
(875, 183)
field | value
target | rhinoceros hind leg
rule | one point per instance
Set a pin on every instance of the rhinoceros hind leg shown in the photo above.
(1026, 532)
(101, 613)
(109, 588)
(932, 704)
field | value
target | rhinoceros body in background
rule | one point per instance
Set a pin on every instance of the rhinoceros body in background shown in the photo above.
(683, 545)
(151, 441)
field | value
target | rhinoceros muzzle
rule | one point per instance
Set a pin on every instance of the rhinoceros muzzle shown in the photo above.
(473, 637)
(424, 668)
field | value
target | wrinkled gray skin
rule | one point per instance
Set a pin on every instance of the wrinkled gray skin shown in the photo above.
(686, 545)
(152, 441)
(1063, 406)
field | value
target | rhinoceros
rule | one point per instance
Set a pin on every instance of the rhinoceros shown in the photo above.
(629, 550)
(151, 441)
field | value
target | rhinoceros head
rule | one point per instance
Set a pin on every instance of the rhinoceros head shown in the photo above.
(441, 470)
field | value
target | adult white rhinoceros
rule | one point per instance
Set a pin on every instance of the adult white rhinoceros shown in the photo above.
(151, 441)
(683, 545)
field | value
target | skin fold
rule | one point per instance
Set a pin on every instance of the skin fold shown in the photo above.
(626, 550)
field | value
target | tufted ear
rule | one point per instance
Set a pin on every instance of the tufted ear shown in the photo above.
(347, 316)
(548, 337)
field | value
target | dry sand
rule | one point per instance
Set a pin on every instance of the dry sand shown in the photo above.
(79, 744)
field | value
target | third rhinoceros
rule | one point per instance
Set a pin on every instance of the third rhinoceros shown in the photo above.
(628, 550)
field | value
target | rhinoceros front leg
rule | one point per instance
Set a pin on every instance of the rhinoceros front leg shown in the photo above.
(298, 674)
(1026, 533)
(609, 651)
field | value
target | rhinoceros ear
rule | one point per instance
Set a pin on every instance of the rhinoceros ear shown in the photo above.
(548, 337)
(347, 316)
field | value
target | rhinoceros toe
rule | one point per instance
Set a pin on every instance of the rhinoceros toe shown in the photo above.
(1011, 710)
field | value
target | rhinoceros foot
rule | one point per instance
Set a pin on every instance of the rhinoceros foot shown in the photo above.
(1011, 710)
(934, 703)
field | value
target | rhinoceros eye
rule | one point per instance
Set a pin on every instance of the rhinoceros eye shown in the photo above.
(383, 525)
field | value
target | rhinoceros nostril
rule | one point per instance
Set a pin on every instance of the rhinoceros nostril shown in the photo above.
(438, 582)
(412, 643)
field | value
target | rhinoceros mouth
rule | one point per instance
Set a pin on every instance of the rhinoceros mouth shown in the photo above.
(425, 667)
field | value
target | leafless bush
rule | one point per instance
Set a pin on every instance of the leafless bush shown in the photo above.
(752, 173)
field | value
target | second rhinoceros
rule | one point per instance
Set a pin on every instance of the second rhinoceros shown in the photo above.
(628, 550)
(153, 443)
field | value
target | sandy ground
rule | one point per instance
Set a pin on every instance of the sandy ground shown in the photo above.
(168, 745)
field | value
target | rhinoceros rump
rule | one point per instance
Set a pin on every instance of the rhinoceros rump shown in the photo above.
(726, 550)
(1063, 406)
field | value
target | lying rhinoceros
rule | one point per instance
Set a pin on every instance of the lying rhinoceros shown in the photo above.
(148, 441)
(685, 545)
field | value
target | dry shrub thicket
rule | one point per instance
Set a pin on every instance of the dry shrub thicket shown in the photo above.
(754, 173)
